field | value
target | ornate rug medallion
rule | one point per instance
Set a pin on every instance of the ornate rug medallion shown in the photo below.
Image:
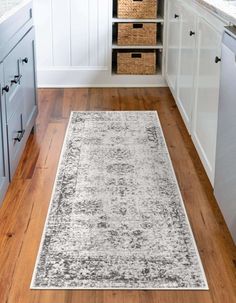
(116, 219)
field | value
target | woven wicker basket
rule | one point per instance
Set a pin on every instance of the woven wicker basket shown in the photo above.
(136, 63)
(137, 34)
(137, 9)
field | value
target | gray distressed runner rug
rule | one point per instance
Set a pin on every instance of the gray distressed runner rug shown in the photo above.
(116, 218)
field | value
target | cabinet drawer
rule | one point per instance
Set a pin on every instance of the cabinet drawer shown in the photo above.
(16, 138)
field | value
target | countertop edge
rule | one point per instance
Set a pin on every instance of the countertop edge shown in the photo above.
(13, 10)
(220, 9)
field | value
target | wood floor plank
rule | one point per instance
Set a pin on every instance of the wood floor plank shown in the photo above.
(23, 213)
(74, 99)
(13, 224)
(114, 296)
(36, 199)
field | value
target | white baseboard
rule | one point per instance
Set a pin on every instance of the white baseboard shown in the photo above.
(49, 78)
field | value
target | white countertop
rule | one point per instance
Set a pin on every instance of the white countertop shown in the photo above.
(9, 7)
(222, 8)
(15, 20)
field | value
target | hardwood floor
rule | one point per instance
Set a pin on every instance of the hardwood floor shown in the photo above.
(23, 213)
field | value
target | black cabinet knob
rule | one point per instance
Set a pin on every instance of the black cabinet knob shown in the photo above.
(6, 89)
(25, 60)
(176, 16)
(191, 33)
(217, 59)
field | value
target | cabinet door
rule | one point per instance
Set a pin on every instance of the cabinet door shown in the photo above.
(28, 79)
(187, 64)
(12, 77)
(205, 113)
(173, 44)
(4, 176)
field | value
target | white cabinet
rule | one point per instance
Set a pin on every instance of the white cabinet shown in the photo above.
(185, 88)
(173, 41)
(205, 114)
(194, 77)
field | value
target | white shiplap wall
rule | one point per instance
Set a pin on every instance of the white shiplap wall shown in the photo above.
(74, 45)
(72, 32)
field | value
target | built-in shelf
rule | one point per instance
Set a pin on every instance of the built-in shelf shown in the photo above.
(159, 59)
(158, 72)
(157, 46)
(159, 19)
(160, 12)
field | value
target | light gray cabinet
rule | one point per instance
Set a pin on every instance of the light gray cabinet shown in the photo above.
(21, 106)
(28, 80)
(18, 100)
(4, 175)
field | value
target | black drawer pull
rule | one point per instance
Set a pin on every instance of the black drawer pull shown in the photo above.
(217, 59)
(136, 55)
(16, 79)
(191, 33)
(20, 135)
(6, 89)
(25, 60)
(176, 16)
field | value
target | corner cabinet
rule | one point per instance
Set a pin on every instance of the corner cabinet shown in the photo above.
(4, 174)
(193, 73)
(18, 92)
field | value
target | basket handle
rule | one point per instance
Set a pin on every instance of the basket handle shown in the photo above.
(138, 25)
(136, 55)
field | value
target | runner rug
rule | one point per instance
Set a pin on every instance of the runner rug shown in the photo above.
(116, 218)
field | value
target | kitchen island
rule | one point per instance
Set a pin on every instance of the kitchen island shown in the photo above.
(18, 102)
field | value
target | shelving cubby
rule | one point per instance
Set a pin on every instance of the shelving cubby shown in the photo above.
(133, 48)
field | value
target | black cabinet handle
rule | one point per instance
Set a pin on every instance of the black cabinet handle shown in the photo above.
(176, 16)
(25, 60)
(6, 89)
(191, 33)
(20, 135)
(16, 79)
(217, 59)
